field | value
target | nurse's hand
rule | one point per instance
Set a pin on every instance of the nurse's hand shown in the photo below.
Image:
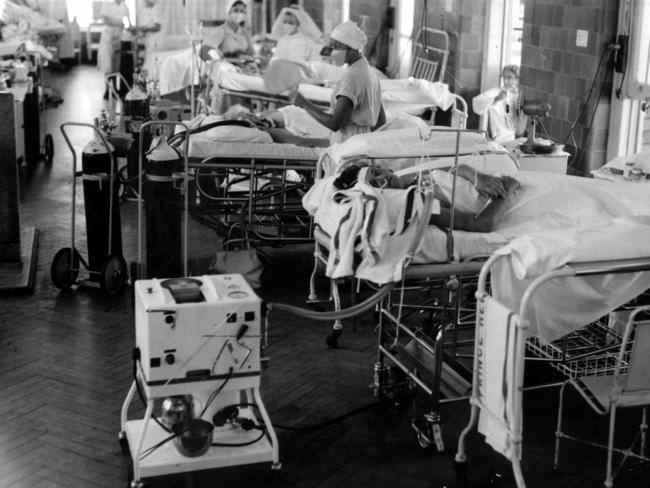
(490, 186)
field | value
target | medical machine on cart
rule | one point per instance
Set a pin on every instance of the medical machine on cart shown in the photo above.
(198, 339)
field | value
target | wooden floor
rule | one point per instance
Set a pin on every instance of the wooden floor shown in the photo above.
(65, 368)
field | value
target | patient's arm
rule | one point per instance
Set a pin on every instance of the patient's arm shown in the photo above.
(286, 137)
(487, 220)
(486, 185)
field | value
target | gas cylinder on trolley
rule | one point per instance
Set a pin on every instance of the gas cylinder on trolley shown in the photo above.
(101, 219)
(135, 111)
(163, 199)
(136, 103)
(105, 264)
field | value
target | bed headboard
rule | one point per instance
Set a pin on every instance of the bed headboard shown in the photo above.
(430, 53)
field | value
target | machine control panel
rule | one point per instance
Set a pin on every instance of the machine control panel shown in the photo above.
(196, 329)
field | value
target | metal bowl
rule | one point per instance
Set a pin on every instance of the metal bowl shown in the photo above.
(533, 148)
(175, 409)
(193, 437)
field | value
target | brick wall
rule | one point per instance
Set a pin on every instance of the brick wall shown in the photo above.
(554, 69)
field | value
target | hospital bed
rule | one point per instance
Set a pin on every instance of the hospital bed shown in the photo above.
(575, 201)
(507, 335)
(434, 285)
(247, 187)
(412, 95)
(254, 191)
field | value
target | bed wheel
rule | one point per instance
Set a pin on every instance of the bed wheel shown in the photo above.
(48, 148)
(460, 468)
(65, 268)
(333, 339)
(124, 443)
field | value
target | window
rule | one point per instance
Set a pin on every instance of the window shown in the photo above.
(86, 11)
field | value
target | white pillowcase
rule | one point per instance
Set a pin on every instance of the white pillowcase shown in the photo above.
(237, 133)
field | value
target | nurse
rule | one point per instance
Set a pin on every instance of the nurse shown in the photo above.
(149, 24)
(506, 118)
(355, 106)
(232, 39)
(297, 36)
(114, 14)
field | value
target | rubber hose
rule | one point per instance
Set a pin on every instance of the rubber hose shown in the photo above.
(346, 313)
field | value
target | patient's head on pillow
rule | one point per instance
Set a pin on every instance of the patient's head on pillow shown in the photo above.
(373, 175)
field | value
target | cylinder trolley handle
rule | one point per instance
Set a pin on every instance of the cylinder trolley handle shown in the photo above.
(111, 182)
(186, 145)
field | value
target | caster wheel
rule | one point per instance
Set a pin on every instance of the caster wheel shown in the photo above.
(423, 442)
(460, 467)
(122, 181)
(333, 339)
(124, 444)
(48, 148)
(65, 268)
(113, 275)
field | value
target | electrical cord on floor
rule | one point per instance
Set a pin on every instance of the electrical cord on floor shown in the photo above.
(328, 422)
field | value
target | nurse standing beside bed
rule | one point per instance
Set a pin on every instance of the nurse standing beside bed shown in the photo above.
(355, 106)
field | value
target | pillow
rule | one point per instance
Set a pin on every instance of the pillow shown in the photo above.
(237, 133)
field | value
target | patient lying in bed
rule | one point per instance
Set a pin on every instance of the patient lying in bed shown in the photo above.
(477, 211)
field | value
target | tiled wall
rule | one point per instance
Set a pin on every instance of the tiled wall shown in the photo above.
(373, 10)
(465, 24)
(558, 71)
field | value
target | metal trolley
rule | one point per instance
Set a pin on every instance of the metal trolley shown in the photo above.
(106, 266)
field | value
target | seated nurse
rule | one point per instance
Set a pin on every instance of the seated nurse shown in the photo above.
(297, 36)
(355, 107)
(503, 106)
(231, 39)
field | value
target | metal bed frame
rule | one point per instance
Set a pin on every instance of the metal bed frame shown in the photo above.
(590, 351)
(447, 312)
(251, 198)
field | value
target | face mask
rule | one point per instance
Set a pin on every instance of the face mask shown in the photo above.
(338, 57)
(289, 29)
(238, 18)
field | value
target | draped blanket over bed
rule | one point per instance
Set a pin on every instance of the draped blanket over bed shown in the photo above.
(551, 220)
(401, 148)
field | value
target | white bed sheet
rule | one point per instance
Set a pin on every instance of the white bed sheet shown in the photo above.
(411, 96)
(173, 69)
(201, 147)
(235, 81)
(553, 220)
(408, 143)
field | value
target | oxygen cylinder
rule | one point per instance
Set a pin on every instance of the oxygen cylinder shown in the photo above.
(136, 103)
(164, 211)
(96, 173)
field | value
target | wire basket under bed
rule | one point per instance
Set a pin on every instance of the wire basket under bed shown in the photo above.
(590, 351)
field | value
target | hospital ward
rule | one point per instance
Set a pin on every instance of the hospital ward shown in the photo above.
(324, 243)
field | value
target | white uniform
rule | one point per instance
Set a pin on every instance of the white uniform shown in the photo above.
(360, 84)
(506, 120)
(110, 42)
